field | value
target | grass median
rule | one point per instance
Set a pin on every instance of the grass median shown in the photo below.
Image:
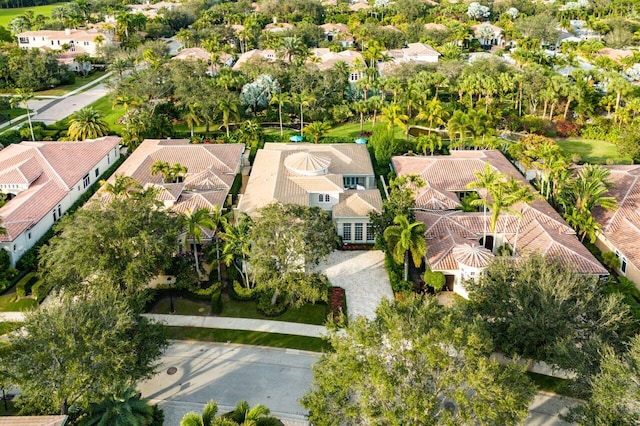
(256, 338)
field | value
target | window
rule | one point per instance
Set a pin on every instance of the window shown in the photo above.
(354, 76)
(370, 235)
(327, 198)
(320, 198)
(324, 198)
(346, 231)
(97, 172)
(623, 265)
(86, 181)
(359, 235)
(55, 216)
(59, 210)
(108, 158)
(29, 235)
(86, 43)
(350, 181)
(24, 40)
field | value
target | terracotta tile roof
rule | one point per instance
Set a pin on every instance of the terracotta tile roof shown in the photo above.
(359, 6)
(358, 203)
(33, 421)
(211, 169)
(435, 27)
(62, 35)
(55, 168)
(335, 28)
(539, 229)
(327, 58)
(271, 179)
(622, 226)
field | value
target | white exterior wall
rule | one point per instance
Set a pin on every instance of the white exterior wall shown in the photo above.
(56, 42)
(334, 198)
(28, 238)
(422, 58)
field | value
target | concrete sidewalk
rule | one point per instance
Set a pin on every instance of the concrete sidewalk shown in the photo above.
(266, 326)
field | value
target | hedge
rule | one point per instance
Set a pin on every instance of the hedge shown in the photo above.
(23, 287)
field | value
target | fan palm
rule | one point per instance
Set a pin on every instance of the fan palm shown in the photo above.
(406, 239)
(87, 123)
(122, 408)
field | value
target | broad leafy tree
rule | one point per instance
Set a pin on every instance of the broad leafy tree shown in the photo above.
(416, 363)
(77, 351)
(285, 240)
(540, 308)
(124, 243)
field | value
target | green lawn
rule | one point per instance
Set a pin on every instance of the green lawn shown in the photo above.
(551, 384)
(9, 114)
(80, 81)
(6, 15)
(111, 114)
(308, 314)
(7, 327)
(593, 151)
(9, 302)
(257, 338)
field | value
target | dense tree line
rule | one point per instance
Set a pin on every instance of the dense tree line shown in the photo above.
(32, 69)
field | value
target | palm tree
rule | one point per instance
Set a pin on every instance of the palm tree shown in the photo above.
(248, 416)
(23, 96)
(303, 99)
(290, 47)
(394, 116)
(195, 222)
(406, 239)
(161, 167)
(237, 244)
(170, 173)
(458, 124)
(122, 186)
(228, 107)
(205, 419)
(192, 117)
(87, 123)
(485, 180)
(318, 129)
(122, 408)
(434, 113)
(361, 108)
(281, 99)
(429, 142)
(375, 104)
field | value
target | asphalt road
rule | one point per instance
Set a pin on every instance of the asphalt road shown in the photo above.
(277, 378)
(59, 109)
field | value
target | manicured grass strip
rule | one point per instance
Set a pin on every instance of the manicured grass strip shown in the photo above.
(257, 338)
(9, 302)
(182, 306)
(8, 327)
(6, 15)
(111, 115)
(552, 384)
(307, 314)
(80, 81)
(593, 151)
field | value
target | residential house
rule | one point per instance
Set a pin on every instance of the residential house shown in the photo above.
(338, 178)
(44, 179)
(488, 34)
(417, 53)
(432, 26)
(255, 55)
(278, 27)
(325, 59)
(151, 10)
(56, 420)
(339, 33)
(621, 227)
(199, 54)
(356, 7)
(80, 41)
(461, 244)
(211, 170)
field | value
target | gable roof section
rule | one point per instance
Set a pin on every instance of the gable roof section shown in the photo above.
(51, 169)
(357, 203)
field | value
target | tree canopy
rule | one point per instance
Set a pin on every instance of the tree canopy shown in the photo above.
(416, 363)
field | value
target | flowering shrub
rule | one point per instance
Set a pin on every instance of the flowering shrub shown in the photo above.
(337, 302)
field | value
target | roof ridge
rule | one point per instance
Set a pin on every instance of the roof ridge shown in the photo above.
(55, 172)
(622, 202)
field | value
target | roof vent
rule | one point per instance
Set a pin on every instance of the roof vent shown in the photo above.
(307, 164)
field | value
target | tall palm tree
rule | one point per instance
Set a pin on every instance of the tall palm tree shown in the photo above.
(290, 47)
(192, 116)
(22, 97)
(485, 180)
(87, 123)
(281, 99)
(361, 108)
(458, 124)
(170, 173)
(228, 107)
(122, 186)
(237, 246)
(160, 167)
(303, 99)
(406, 239)
(195, 222)
(394, 116)
(429, 142)
(318, 129)
(434, 113)
(122, 408)
(375, 104)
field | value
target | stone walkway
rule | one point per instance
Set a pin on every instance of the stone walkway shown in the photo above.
(363, 277)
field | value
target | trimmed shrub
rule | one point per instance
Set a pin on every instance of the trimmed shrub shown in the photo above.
(216, 302)
(241, 292)
(266, 308)
(23, 287)
(435, 280)
(40, 290)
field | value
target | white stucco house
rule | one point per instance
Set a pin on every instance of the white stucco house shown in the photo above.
(337, 178)
(42, 180)
(80, 41)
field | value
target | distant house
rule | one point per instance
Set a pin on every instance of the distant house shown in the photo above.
(78, 41)
(338, 178)
(255, 55)
(621, 227)
(339, 33)
(150, 10)
(211, 170)
(199, 54)
(356, 7)
(42, 180)
(278, 27)
(325, 59)
(488, 34)
(460, 244)
(432, 26)
(414, 52)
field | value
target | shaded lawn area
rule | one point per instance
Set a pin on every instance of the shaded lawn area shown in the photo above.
(12, 410)
(256, 338)
(8, 327)
(593, 151)
(9, 114)
(9, 302)
(80, 81)
(111, 114)
(308, 314)
(6, 15)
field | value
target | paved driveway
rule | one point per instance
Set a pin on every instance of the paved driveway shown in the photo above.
(277, 378)
(362, 275)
